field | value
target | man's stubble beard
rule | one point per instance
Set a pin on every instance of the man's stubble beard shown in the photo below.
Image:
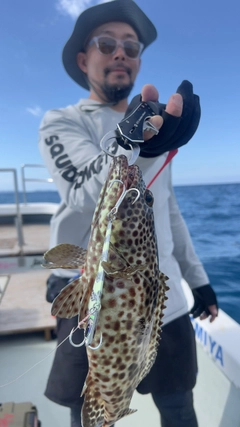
(116, 92)
(112, 92)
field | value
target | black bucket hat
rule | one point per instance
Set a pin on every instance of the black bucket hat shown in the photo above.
(117, 10)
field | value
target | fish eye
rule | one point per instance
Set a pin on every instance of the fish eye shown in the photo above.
(148, 196)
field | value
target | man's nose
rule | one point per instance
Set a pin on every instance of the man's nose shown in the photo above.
(120, 53)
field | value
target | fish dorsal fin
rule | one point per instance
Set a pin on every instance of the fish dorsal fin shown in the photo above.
(67, 303)
(65, 256)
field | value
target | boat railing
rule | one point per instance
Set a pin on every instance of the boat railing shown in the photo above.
(17, 214)
(24, 179)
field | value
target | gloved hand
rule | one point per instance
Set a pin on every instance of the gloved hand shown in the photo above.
(205, 303)
(175, 131)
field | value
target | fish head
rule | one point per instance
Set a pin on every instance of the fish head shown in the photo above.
(126, 202)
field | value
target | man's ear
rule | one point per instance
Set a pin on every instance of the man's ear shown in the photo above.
(82, 62)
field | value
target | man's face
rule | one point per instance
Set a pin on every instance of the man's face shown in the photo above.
(112, 72)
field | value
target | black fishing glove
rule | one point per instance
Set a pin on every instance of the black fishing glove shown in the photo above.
(175, 131)
(203, 297)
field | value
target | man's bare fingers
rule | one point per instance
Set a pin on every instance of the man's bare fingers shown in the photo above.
(149, 93)
(213, 313)
(175, 105)
(203, 315)
(156, 121)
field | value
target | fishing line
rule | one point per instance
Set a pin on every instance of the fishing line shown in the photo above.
(49, 354)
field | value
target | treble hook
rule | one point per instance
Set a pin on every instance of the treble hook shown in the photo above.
(113, 212)
(81, 344)
(71, 341)
(98, 346)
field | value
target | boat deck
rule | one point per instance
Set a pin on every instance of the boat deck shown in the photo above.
(23, 307)
(36, 239)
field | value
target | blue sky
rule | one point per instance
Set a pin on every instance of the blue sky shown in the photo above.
(198, 41)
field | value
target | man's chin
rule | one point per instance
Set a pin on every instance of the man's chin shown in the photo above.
(115, 92)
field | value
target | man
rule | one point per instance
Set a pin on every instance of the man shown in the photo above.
(103, 56)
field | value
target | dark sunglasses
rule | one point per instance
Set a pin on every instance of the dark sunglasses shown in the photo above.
(108, 46)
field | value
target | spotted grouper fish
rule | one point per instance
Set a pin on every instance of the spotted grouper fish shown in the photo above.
(130, 305)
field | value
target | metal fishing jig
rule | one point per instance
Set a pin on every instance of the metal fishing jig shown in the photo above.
(94, 305)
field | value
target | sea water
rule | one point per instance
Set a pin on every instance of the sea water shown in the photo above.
(212, 214)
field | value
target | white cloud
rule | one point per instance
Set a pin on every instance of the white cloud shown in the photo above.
(75, 7)
(36, 111)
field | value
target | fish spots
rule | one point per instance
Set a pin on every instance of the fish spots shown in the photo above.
(107, 326)
(110, 289)
(97, 394)
(131, 303)
(132, 292)
(118, 364)
(122, 367)
(123, 337)
(105, 379)
(116, 326)
(129, 325)
(112, 303)
(118, 392)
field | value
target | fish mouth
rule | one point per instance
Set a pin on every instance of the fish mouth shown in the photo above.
(129, 175)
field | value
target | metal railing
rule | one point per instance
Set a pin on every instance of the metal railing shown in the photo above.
(18, 215)
(24, 179)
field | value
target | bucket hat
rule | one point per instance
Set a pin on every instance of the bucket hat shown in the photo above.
(117, 10)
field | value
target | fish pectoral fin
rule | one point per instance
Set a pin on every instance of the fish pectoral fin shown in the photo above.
(65, 256)
(125, 273)
(93, 410)
(67, 303)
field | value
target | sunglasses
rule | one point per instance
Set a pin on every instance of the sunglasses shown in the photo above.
(108, 46)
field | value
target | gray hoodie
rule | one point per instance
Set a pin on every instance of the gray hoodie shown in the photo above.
(70, 146)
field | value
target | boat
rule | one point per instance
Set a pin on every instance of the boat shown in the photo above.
(25, 232)
(26, 333)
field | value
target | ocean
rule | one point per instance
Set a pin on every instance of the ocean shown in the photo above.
(212, 214)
